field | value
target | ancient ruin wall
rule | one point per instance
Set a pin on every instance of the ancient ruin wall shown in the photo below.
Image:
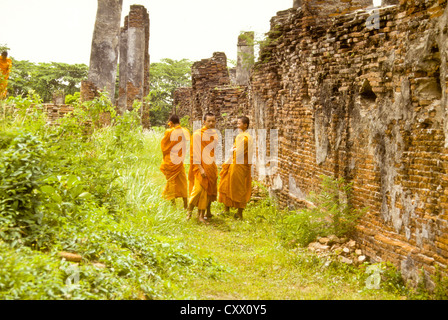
(206, 76)
(213, 91)
(182, 102)
(368, 103)
(134, 62)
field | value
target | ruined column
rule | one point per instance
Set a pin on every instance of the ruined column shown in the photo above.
(136, 55)
(122, 73)
(134, 62)
(206, 75)
(146, 79)
(104, 52)
(245, 57)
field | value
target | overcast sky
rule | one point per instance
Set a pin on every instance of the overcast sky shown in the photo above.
(61, 30)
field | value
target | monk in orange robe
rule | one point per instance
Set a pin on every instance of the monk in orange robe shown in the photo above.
(174, 149)
(235, 186)
(203, 174)
(5, 69)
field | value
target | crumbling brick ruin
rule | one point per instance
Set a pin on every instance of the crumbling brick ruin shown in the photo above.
(130, 45)
(134, 61)
(214, 91)
(359, 93)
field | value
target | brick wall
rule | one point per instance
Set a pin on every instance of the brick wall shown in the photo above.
(182, 102)
(369, 105)
(57, 111)
(212, 91)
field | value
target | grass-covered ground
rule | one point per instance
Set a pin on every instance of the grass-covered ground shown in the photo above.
(97, 193)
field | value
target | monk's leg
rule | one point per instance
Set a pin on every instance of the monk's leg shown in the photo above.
(190, 211)
(239, 214)
(185, 203)
(201, 218)
(173, 202)
(225, 211)
(209, 211)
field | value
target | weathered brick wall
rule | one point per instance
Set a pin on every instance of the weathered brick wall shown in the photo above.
(212, 91)
(228, 103)
(368, 105)
(182, 102)
(57, 111)
(206, 75)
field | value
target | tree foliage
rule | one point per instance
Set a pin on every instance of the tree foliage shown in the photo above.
(45, 78)
(166, 76)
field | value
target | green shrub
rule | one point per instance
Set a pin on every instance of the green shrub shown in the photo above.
(73, 99)
(124, 129)
(332, 214)
(22, 167)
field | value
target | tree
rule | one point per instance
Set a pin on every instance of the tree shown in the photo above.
(45, 78)
(166, 76)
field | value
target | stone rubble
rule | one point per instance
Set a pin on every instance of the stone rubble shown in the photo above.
(342, 249)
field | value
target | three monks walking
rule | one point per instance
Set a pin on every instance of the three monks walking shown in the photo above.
(236, 181)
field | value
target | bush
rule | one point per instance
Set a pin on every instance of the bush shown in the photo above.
(332, 214)
(73, 99)
(22, 166)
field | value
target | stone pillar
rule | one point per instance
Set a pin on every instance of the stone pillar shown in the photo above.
(136, 55)
(122, 74)
(58, 98)
(146, 79)
(104, 52)
(245, 58)
(134, 62)
(206, 75)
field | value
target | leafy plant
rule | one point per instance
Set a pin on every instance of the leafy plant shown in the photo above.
(21, 169)
(332, 214)
(73, 99)
(4, 47)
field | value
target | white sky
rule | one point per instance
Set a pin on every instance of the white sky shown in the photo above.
(61, 30)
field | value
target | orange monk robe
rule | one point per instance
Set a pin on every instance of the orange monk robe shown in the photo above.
(5, 68)
(235, 185)
(203, 191)
(174, 149)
